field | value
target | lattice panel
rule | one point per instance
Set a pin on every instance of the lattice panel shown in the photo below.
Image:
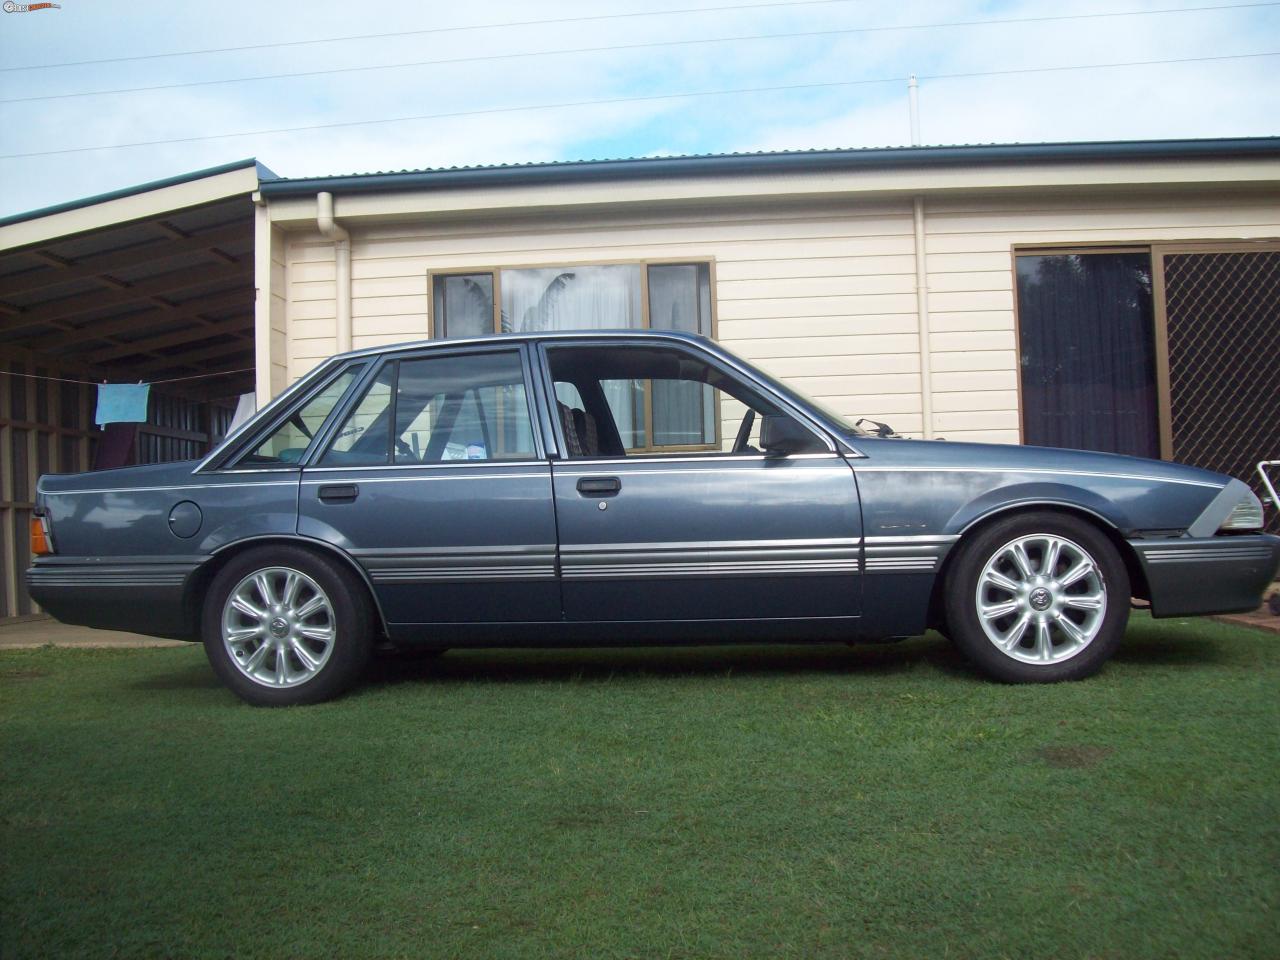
(1223, 312)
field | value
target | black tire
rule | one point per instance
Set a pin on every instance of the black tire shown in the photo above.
(350, 616)
(1024, 660)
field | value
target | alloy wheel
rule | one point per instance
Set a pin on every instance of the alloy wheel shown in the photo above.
(278, 627)
(1041, 599)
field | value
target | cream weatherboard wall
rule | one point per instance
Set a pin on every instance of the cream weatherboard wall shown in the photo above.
(969, 244)
(822, 294)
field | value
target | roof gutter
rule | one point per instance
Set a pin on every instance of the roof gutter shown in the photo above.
(331, 229)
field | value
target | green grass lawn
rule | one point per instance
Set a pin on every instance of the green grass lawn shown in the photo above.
(695, 803)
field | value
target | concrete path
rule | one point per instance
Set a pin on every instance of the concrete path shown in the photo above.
(1260, 619)
(43, 633)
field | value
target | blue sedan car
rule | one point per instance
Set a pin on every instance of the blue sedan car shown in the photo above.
(623, 488)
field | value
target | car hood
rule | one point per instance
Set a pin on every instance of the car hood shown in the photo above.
(999, 456)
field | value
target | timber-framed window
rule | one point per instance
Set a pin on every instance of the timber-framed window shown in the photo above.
(602, 296)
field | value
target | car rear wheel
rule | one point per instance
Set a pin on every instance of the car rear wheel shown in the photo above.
(1038, 598)
(283, 626)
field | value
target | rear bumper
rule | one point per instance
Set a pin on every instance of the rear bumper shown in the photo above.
(1203, 575)
(143, 598)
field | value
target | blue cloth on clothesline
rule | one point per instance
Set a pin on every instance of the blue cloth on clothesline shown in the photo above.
(122, 403)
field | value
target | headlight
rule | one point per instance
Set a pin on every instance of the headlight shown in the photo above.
(1245, 515)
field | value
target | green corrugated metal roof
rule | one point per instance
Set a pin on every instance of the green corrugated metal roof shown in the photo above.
(263, 175)
(782, 161)
(710, 164)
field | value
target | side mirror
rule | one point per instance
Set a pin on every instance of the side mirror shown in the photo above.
(780, 436)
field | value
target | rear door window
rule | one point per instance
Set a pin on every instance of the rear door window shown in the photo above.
(438, 409)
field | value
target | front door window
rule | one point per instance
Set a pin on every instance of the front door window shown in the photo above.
(631, 400)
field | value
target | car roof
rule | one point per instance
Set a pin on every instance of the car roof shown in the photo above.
(326, 367)
(329, 364)
(440, 343)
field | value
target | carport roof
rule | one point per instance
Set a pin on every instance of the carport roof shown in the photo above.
(148, 283)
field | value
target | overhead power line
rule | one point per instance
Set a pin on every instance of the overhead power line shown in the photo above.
(430, 30)
(615, 100)
(646, 45)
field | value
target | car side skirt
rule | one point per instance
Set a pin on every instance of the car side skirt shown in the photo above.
(153, 598)
(628, 633)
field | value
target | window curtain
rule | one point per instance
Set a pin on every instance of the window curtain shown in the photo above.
(572, 298)
(1088, 353)
(609, 297)
(580, 298)
(680, 299)
(464, 305)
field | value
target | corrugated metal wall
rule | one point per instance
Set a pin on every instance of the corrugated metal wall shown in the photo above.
(46, 426)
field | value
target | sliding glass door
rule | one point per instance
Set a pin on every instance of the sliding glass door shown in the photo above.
(1087, 345)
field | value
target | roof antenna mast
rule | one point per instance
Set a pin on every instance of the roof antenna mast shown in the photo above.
(913, 98)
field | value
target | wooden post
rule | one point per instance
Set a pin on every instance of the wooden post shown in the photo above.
(9, 588)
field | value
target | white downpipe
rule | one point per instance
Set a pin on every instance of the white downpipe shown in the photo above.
(922, 316)
(262, 360)
(342, 261)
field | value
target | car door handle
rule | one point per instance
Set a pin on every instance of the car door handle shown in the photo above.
(599, 486)
(339, 492)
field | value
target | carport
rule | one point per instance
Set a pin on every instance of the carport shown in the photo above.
(153, 284)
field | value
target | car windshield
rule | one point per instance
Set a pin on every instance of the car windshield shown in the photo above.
(836, 419)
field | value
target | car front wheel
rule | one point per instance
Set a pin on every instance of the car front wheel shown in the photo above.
(1038, 598)
(283, 627)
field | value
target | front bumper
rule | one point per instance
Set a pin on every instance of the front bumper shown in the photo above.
(1193, 576)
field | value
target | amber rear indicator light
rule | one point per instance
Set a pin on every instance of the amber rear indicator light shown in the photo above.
(40, 545)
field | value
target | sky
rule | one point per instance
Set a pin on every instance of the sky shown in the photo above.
(846, 74)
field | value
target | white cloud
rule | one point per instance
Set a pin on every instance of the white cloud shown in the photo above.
(1206, 99)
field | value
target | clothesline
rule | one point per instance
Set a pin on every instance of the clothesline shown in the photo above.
(96, 383)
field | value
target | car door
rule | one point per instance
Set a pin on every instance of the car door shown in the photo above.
(434, 480)
(666, 520)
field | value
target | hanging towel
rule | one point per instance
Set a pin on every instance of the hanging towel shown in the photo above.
(246, 407)
(115, 446)
(122, 403)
